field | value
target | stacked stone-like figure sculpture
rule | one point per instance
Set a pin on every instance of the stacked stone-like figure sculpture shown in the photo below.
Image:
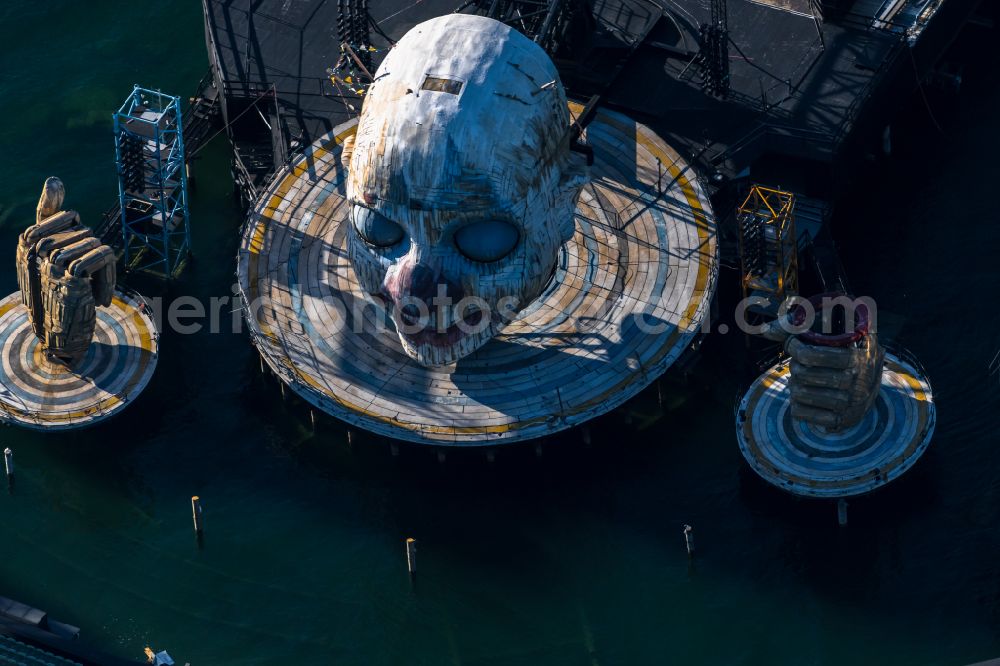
(834, 379)
(841, 416)
(834, 387)
(63, 272)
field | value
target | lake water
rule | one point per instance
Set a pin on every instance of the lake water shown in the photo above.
(573, 558)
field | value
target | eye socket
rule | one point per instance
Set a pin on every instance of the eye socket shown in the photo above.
(374, 228)
(487, 241)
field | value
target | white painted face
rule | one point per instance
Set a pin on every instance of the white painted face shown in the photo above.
(461, 182)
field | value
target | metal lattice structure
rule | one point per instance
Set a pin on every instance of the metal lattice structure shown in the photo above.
(769, 259)
(539, 20)
(713, 54)
(152, 182)
(352, 27)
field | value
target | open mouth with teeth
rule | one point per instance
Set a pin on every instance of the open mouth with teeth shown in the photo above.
(427, 331)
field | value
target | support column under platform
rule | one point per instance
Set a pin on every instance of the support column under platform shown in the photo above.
(42, 393)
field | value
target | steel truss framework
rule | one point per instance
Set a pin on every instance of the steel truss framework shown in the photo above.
(152, 182)
(539, 20)
(768, 252)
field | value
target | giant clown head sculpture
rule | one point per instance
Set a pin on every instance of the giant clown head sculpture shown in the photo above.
(462, 183)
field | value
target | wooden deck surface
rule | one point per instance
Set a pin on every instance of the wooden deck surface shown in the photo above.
(638, 257)
(805, 460)
(38, 393)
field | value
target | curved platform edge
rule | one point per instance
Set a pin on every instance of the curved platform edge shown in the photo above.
(809, 463)
(285, 193)
(41, 395)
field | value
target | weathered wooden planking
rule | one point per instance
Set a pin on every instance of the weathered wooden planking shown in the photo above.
(42, 394)
(806, 460)
(576, 352)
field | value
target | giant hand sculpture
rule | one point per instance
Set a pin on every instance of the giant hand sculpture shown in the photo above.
(63, 272)
(834, 377)
(462, 183)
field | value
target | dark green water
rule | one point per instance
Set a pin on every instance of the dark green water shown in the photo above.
(576, 558)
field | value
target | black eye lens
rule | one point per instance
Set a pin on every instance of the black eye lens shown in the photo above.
(489, 240)
(374, 228)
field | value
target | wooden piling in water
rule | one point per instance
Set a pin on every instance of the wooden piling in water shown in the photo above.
(411, 555)
(689, 540)
(196, 515)
(8, 463)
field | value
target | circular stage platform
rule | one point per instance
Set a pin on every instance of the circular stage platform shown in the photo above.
(631, 290)
(805, 460)
(44, 394)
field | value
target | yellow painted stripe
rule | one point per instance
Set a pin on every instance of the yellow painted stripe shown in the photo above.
(7, 307)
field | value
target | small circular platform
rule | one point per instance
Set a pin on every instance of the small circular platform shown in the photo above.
(44, 394)
(806, 460)
(631, 290)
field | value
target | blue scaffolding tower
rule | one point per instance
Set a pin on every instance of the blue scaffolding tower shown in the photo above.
(152, 182)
